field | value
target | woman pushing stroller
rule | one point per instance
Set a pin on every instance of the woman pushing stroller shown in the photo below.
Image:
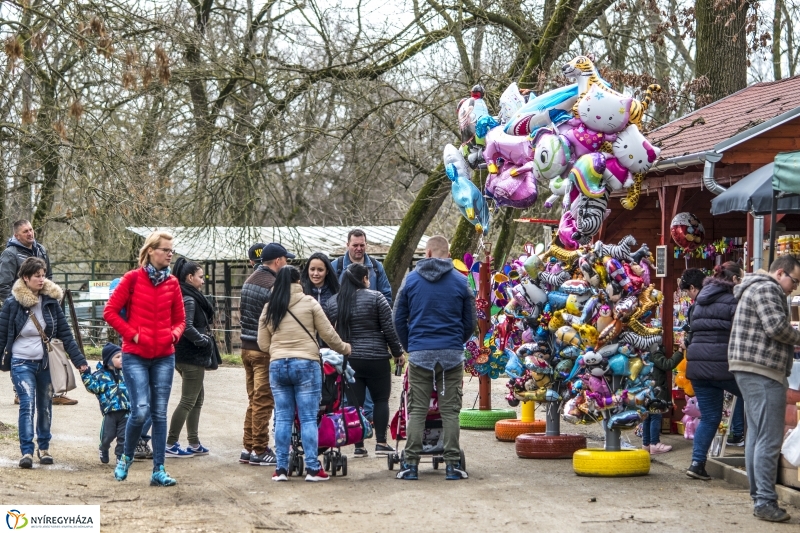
(287, 331)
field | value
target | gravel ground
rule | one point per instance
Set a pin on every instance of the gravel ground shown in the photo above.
(215, 493)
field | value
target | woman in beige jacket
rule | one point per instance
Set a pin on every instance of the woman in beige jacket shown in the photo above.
(287, 331)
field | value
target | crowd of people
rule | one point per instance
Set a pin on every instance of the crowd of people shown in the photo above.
(164, 322)
(739, 340)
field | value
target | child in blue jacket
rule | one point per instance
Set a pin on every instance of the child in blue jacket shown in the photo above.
(108, 385)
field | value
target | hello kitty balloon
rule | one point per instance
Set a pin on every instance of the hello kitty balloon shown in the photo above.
(604, 110)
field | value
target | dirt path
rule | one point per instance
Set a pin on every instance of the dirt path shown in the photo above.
(215, 493)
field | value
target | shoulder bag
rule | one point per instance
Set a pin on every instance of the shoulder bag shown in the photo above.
(61, 373)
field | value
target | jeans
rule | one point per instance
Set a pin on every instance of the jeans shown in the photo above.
(651, 429)
(710, 396)
(296, 386)
(149, 383)
(260, 401)
(369, 406)
(32, 383)
(188, 410)
(737, 418)
(449, 386)
(765, 407)
(146, 430)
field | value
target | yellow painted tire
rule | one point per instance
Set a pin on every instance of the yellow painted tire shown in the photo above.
(509, 430)
(602, 463)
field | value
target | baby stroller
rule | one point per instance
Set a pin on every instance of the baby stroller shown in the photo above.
(433, 437)
(339, 425)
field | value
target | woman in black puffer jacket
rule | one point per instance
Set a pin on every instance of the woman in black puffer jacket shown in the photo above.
(710, 322)
(193, 354)
(364, 319)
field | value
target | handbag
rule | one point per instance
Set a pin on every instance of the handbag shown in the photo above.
(61, 373)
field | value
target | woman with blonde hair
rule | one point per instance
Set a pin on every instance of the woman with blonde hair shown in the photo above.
(153, 323)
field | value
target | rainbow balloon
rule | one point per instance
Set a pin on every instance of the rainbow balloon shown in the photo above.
(587, 174)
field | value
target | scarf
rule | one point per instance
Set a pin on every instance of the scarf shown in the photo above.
(201, 300)
(157, 277)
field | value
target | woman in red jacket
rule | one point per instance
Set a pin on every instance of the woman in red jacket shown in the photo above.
(146, 309)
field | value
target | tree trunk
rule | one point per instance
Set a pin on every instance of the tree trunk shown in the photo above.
(776, 40)
(464, 240)
(415, 222)
(47, 155)
(508, 230)
(722, 45)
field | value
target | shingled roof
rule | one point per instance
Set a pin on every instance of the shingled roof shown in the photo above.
(728, 121)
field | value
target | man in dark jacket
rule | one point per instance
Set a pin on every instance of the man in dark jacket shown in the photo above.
(20, 247)
(255, 294)
(760, 355)
(357, 253)
(434, 317)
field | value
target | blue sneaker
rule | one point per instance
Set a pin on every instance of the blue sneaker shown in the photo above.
(176, 452)
(121, 471)
(160, 478)
(454, 471)
(408, 472)
(197, 450)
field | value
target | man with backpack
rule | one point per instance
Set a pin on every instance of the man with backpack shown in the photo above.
(434, 316)
(255, 295)
(357, 253)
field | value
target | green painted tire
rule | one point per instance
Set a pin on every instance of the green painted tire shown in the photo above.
(477, 419)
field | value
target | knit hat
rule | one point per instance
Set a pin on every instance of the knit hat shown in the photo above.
(109, 351)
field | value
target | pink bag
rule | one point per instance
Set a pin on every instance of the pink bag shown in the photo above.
(353, 422)
(332, 431)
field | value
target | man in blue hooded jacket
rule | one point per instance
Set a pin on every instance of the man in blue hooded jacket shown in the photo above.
(434, 316)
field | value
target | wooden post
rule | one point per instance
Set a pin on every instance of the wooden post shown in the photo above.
(485, 382)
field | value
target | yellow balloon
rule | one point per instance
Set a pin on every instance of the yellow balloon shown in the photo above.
(636, 365)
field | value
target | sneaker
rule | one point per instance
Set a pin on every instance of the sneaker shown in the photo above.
(45, 458)
(408, 472)
(198, 450)
(626, 446)
(454, 471)
(361, 452)
(143, 450)
(160, 478)
(698, 471)
(736, 441)
(280, 475)
(176, 452)
(383, 449)
(103, 456)
(316, 475)
(121, 471)
(771, 513)
(263, 459)
(244, 457)
(646, 448)
(26, 461)
(63, 400)
(659, 447)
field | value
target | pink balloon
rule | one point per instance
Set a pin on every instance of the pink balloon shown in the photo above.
(513, 186)
(515, 150)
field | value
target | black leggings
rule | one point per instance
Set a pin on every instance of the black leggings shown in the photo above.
(375, 375)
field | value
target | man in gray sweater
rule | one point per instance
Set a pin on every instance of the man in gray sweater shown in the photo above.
(760, 355)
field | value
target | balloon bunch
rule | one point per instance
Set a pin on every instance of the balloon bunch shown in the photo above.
(584, 139)
(599, 303)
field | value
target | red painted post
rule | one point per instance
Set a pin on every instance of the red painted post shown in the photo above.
(485, 382)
